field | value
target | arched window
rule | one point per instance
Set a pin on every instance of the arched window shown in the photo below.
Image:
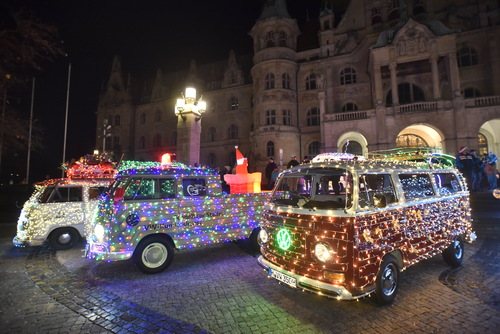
(311, 82)
(285, 81)
(270, 39)
(211, 134)
(157, 115)
(269, 81)
(117, 119)
(483, 144)
(233, 103)
(142, 118)
(142, 142)
(349, 107)
(408, 93)
(270, 117)
(466, 57)
(157, 140)
(314, 149)
(352, 147)
(470, 93)
(376, 19)
(232, 132)
(313, 117)
(270, 149)
(283, 39)
(212, 160)
(347, 76)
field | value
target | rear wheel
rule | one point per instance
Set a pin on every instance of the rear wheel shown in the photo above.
(454, 254)
(63, 238)
(387, 282)
(153, 255)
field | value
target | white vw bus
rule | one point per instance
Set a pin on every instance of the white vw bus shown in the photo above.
(59, 210)
(346, 227)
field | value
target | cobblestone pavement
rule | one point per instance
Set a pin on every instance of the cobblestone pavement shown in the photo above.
(221, 289)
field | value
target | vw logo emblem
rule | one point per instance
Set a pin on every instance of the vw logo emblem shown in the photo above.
(132, 219)
(284, 239)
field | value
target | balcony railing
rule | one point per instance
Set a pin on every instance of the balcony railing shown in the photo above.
(487, 101)
(419, 106)
(350, 116)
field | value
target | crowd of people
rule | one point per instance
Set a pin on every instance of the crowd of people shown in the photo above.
(480, 172)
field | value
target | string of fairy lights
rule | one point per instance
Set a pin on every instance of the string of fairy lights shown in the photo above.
(345, 247)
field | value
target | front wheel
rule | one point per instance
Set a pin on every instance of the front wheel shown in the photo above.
(153, 255)
(63, 238)
(387, 282)
(454, 254)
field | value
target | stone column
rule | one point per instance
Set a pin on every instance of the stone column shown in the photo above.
(436, 90)
(322, 109)
(188, 138)
(394, 83)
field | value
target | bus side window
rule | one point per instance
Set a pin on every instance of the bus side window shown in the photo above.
(416, 186)
(168, 188)
(379, 184)
(194, 187)
(447, 183)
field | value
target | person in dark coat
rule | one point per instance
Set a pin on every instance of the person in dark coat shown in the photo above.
(271, 166)
(293, 162)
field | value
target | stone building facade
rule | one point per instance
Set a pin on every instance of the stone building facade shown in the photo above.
(389, 73)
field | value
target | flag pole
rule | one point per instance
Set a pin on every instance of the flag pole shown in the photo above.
(27, 180)
(66, 118)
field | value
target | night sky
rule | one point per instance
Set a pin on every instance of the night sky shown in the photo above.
(147, 35)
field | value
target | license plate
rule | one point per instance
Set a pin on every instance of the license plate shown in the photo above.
(283, 278)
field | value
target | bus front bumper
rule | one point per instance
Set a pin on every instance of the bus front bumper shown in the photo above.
(100, 251)
(308, 284)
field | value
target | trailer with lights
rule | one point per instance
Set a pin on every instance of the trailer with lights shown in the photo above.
(150, 212)
(345, 227)
(59, 210)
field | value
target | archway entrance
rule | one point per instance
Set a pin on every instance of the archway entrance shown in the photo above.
(353, 142)
(489, 137)
(420, 135)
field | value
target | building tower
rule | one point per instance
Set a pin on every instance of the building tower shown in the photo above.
(276, 129)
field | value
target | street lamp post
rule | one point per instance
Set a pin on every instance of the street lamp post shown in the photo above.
(189, 111)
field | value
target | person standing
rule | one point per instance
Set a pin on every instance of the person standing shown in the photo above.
(271, 166)
(490, 168)
(293, 162)
(464, 162)
(477, 171)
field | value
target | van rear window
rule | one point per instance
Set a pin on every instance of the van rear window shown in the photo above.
(416, 186)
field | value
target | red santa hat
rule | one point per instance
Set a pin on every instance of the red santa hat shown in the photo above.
(462, 149)
(240, 159)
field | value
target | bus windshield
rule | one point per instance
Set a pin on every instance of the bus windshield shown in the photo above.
(315, 188)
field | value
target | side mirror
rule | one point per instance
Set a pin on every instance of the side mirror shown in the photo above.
(379, 201)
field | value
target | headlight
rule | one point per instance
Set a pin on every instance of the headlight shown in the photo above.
(322, 251)
(263, 236)
(99, 232)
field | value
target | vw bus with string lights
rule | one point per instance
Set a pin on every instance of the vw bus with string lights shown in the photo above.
(346, 227)
(150, 212)
(59, 210)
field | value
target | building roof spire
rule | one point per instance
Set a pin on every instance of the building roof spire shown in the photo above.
(274, 8)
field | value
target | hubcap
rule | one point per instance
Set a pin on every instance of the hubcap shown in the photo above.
(154, 255)
(64, 238)
(458, 249)
(389, 280)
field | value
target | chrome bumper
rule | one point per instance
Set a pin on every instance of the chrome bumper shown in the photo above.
(24, 243)
(312, 285)
(100, 252)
